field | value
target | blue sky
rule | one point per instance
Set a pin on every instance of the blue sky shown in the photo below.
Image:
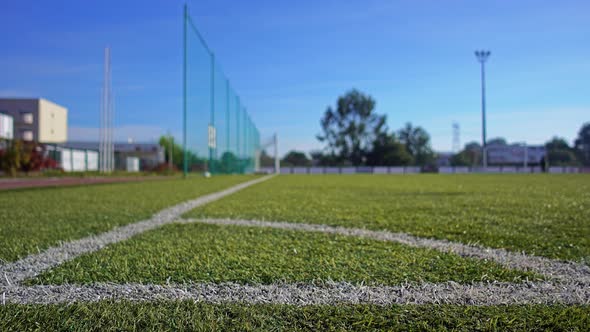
(289, 60)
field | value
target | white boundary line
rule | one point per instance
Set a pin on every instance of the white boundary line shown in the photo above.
(32, 265)
(306, 294)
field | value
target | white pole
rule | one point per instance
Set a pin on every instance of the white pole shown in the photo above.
(109, 145)
(277, 161)
(100, 129)
(526, 156)
(103, 117)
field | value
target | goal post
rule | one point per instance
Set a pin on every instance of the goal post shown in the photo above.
(273, 143)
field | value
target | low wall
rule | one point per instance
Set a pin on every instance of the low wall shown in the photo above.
(415, 170)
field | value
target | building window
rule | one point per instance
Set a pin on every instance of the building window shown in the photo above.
(27, 118)
(27, 135)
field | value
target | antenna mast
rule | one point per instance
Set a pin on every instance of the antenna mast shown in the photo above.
(106, 146)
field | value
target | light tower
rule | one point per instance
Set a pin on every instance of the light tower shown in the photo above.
(456, 137)
(106, 151)
(482, 57)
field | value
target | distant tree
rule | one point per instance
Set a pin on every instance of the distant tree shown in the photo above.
(469, 156)
(557, 143)
(169, 145)
(266, 160)
(172, 149)
(229, 163)
(562, 158)
(388, 151)
(498, 141)
(559, 153)
(295, 158)
(417, 143)
(11, 158)
(582, 144)
(319, 158)
(350, 129)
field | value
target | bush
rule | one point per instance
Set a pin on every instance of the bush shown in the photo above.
(26, 157)
(165, 169)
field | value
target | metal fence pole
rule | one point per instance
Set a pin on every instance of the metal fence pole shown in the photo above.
(184, 142)
(212, 115)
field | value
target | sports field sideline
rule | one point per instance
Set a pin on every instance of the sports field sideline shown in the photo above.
(329, 252)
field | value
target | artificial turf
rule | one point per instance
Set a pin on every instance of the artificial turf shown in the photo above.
(182, 253)
(33, 219)
(191, 316)
(541, 214)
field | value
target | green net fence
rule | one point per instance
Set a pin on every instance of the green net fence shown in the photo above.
(219, 135)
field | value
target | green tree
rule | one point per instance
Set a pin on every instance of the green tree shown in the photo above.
(266, 160)
(350, 129)
(498, 141)
(557, 143)
(582, 144)
(388, 151)
(559, 153)
(194, 162)
(417, 143)
(172, 150)
(12, 157)
(319, 158)
(469, 156)
(228, 163)
(562, 158)
(295, 158)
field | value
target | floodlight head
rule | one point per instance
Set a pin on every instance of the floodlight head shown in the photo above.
(482, 55)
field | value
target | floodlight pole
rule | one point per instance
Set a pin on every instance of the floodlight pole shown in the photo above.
(184, 51)
(482, 57)
(277, 160)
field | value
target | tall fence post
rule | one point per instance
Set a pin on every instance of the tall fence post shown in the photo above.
(184, 58)
(212, 117)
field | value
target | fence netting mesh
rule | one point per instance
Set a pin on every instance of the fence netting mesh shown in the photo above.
(219, 135)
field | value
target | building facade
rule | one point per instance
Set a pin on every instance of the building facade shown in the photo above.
(36, 120)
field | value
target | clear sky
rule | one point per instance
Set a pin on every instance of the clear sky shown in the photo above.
(289, 60)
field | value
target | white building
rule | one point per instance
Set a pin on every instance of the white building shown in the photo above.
(6, 127)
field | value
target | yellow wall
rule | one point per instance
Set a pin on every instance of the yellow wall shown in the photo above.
(53, 122)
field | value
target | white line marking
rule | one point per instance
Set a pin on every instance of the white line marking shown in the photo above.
(306, 294)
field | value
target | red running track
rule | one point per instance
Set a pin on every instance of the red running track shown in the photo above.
(6, 184)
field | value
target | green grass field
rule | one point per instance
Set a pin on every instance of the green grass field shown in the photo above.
(190, 316)
(212, 253)
(34, 219)
(546, 215)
